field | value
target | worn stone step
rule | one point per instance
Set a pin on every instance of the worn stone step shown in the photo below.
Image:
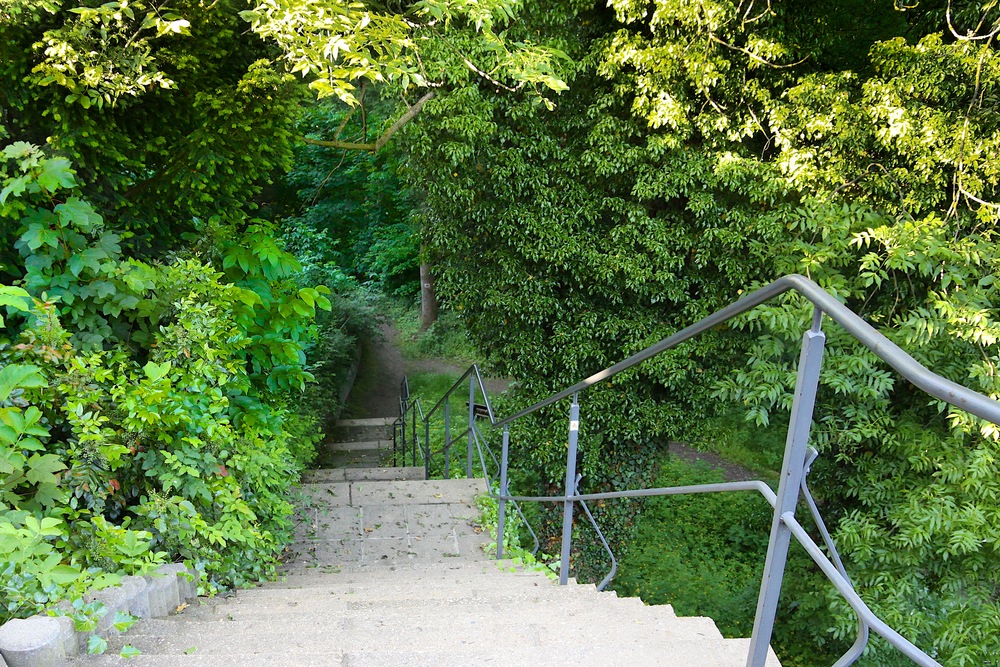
(433, 627)
(349, 433)
(322, 520)
(388, 570)
(417, 573)
(375, 421)
(405, 605)
(499, 584)
(359, 459)
(360, 446)
(454, 570)
(684, 653)
(429, 492)
(386, 474)
(351, 596)
(725, 653)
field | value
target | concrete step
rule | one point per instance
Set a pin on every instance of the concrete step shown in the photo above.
(429, 492)
(388, 570)
(362, 596)
(360, 445)
(725, 653)
(722, 653)
(376, 421)
(360, 429)
(485, 585)
(368, 458)
(322, 475)
(273, 615)
(432, 627)
(417, 573)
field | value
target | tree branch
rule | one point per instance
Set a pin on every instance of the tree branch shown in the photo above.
(381, 141)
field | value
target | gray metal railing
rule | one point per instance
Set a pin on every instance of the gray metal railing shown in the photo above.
(404, 429)
(797, 459)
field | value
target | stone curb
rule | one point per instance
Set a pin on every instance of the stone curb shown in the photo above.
(48, 641)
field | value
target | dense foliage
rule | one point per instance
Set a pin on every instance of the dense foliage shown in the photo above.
(153, 349)
(154, 424)
(704, 147)
(354, 200)
(159, 312)
(158, 320)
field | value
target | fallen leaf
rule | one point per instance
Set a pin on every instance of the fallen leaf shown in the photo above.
(181, 607)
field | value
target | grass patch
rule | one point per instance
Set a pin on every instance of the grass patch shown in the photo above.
(430, 388)
(703, 554)
(445, 339)
(758, 448)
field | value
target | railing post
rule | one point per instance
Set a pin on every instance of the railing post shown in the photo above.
(427, 448)
(402, 431)
(415, 437)
(792, 471)
(502, 503)
(567, 532)
(472, 423)
(447, 438)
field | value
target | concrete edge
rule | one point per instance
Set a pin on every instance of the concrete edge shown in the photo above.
(48, 641)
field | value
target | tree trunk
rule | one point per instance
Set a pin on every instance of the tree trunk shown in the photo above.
(428, 298)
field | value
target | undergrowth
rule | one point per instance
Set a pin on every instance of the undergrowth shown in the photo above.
(444, 339)
(757, 448)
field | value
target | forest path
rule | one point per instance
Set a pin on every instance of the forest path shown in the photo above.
(383, 366)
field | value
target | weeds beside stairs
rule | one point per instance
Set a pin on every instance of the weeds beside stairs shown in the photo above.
(388, 569)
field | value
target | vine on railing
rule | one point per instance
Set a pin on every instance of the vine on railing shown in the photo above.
(797, 459)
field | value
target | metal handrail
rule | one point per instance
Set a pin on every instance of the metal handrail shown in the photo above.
(795, 465)
(409, 407)
(473, 369)
(884, 349)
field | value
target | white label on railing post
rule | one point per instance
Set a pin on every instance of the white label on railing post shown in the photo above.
(574, 425)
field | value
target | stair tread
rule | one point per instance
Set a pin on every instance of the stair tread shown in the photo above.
(400, 631)
(359, 445)
(387, 474)
(371, 421)
(722, 653)
(390, 601)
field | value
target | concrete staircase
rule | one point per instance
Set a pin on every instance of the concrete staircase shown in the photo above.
(389, 569)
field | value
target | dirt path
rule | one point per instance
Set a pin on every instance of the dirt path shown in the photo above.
(733, 472)
(376, 391)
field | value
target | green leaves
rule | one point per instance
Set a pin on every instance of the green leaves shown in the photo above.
(96, 645)
(19, 376)
(155, 371)
(124, 65)
(30, 478)
(55, 174)
(340, 44)
(40, 174)
(129, 651)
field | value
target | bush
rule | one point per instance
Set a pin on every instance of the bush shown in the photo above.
(145, 409)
